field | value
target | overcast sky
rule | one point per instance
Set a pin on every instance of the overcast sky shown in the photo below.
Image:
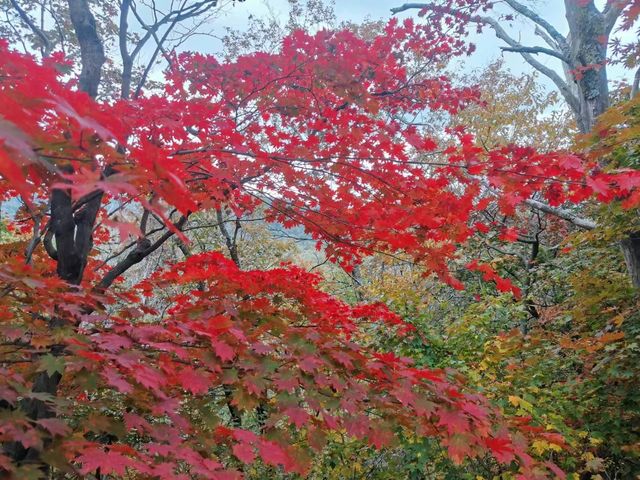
(236, 16)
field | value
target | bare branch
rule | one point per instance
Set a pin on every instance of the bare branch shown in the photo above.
(563, 213)
(564, 88)
(501, 33)
(159, 48)
(545, 36)
(585, 223)
(173, 18)
(143, 249)
(409, 6)
(536, 50)
(34, 28)
(533, 16)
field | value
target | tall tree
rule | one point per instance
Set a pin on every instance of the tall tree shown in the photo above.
(583, 51)
(123, 30)
(583, 54)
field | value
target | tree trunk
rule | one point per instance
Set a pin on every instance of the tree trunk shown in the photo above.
(71, 226)
(91, 48)
(631, 250)
(588, 38)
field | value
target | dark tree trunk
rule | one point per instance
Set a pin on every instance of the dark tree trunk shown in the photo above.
(91, 48)
(127, 60)
(71, 227)
(631, 250)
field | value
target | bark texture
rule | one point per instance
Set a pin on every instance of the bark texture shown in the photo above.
(91, 48)
(587, 40)
(631, 250)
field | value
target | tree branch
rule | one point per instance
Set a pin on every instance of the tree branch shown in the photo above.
(545, 36)
(409, 6)
(584, 223)
(536, 50)
(534, 17)
(501, 33)
(564, 88)
(34, 28)
(563, 213)
(611, 13)
(143, 249)
(159, 48)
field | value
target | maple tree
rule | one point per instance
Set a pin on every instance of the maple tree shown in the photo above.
(203, 368)
(583, 54)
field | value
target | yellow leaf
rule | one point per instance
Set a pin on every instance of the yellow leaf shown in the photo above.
(618, 320)
(540, 446)
(519, 402)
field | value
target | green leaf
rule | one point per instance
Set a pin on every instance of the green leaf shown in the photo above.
(51, 364)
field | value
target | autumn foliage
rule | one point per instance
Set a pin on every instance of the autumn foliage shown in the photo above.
(155, 377)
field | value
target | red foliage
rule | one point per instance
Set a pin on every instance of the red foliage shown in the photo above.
(315, 134)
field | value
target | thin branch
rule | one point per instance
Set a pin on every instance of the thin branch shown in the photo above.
(501, 33)
(159, 48)
(536, 50)
(546, 37)
(564, 88)
(34, 28)
(533, 16)
(409, 6)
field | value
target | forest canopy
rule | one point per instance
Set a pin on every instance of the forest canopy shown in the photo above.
(329, 250)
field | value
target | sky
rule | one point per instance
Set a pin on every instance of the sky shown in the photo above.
(235, 15)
